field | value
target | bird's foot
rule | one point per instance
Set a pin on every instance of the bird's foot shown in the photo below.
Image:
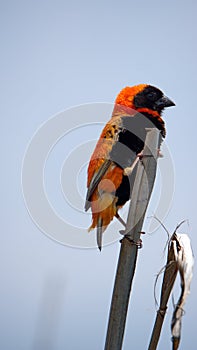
(128, 171)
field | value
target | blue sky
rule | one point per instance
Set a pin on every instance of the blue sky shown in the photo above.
(56, 55)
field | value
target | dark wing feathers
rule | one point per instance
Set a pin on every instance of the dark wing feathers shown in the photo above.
(95, 181)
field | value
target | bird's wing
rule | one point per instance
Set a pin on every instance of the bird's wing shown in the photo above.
(101, 161)
(96, 178)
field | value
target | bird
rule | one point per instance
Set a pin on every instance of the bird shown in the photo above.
(109, 185)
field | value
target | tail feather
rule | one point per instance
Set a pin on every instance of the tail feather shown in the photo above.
(99, 233)
(103, 211)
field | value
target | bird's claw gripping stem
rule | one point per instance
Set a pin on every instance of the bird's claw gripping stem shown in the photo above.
(128, 170)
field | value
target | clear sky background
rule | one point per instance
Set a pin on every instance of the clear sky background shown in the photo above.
(58, 54)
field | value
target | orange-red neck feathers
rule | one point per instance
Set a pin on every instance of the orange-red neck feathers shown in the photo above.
(125, 101)
(126, 95)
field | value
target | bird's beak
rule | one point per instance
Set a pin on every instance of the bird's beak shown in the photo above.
(164, 102)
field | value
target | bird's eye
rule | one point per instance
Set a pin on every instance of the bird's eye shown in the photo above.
(152, 96)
